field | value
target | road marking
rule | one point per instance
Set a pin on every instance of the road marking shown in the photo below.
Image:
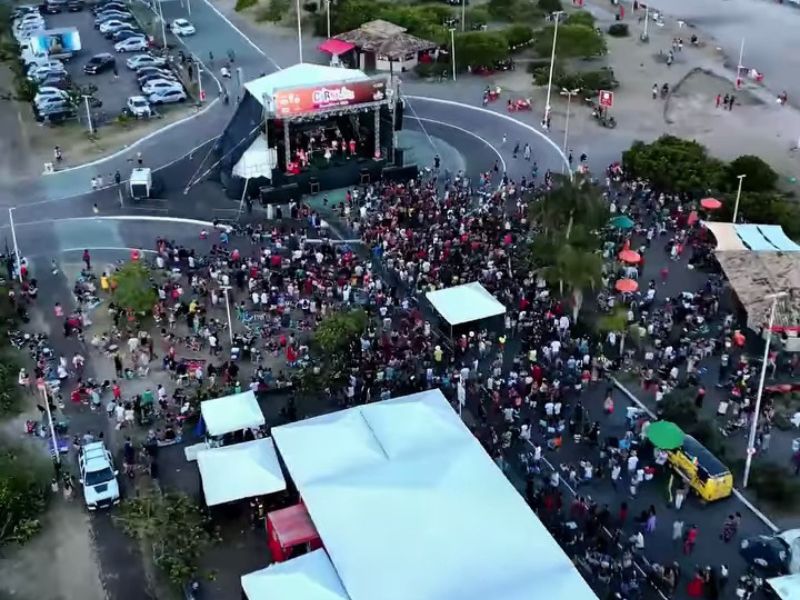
(752, 507)
(105, 248)
(242, 34)
(530, 128)
(468, 132)
(155, 218)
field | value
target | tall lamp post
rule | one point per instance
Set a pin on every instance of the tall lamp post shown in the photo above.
(163, 26)
(453, 49)
(751, 450)
(740, 65)
(226, 290)
(300, 32)
(738, 197)
(569, 94)
(328, 16)
(556, 17)
(463, 16)
(17, 257)
(56, 454)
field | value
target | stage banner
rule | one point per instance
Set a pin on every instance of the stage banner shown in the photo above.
(307, 100)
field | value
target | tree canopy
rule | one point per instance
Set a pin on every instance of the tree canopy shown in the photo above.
(135, 288)
(760, 177)
(573, 41)
(23, 493)
(478, 48)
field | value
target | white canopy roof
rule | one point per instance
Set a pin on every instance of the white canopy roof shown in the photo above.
(308, 577)
(240, 471)
(786, 587)
(257, 161)
(465, 303)
(302, 75)
(231, 413)
(409, 505)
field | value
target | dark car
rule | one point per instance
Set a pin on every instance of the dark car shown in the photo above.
(99, 63)
(75, 5)
(769, 554)
(98, 8)
(53, 7)
(124, 34)
(58, 80)
(55, 113)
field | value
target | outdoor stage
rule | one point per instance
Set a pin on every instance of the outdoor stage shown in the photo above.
(307, 129)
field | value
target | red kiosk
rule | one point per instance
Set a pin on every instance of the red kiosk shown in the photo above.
(288, 528)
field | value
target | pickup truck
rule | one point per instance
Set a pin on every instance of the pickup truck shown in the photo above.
(98, 476)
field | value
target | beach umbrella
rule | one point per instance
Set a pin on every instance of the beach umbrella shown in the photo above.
(710, 203)
(621, 222)
(665, 435)
(626, 285)
(630, 256)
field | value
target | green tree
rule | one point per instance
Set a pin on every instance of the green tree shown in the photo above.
(576, 270)
(24, 491)
(135, 289)
(573, 41)
(672, 164)
(581, 18)
(615, 321)
(550, 6)
(760, 176)
(518, 35)
(678, 406)
(172, 527)
(477, 48)
(570, 204)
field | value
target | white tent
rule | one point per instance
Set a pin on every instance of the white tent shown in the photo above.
(409, 505)
(786, 587)
(257, 161)
(301, 75)
(308, 577)
(231, 413)
(240, 471)
(465, 303)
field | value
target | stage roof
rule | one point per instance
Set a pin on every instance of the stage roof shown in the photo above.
(409, 505)
(308, 577)
(240, 471)
(758, 238)
(231, 413)
(298, 76)
(465, 303)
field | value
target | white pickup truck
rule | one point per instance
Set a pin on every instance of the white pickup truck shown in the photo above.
(98, 476)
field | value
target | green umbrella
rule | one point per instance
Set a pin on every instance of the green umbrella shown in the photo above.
(621, 222)
(665, 435)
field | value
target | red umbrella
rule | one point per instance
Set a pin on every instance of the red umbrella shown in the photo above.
(630, 256)
(710, 203)
(626, 285)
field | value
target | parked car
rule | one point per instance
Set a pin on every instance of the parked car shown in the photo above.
(139, 107)
(24, 30)
(104, 6)
(161, 84)
(28, 18)
(50, 101)
(182, 27)
(132, 44)
(99, 63)
(773, 555)
(57, 114)
(167, 96)
(56, 80)
(124, 34)
(47, 92)
(145, 79)
(53, 7)
(38, 73)
(111, 14)
(51, 63)
(153, 70)
(109, 28)
(145, 60)
(75, 5)
(98, 476)
(22, 10)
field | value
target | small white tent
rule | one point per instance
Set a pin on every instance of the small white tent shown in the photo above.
(308, 577)
(465, 303)
(231, 413)
(240, 471)
(786, 587)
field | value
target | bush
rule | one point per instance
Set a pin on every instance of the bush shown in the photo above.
(244, 4)
(774, 484)
(273, 12)
(587, 81)
(135, 289)
(550, 6)
(574, 41)
(518, 35)
(618, 30)
(477, 16)
(760, 176)
(478, 48)
(24, 479)
(432, 69)
(678, 407)
(514, 11)
(581, 18)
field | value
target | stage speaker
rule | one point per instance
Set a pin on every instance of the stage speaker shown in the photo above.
(398, 157)
(398, 115)
(281, 194)
(400, 174)
(364, 176)
(313, 185)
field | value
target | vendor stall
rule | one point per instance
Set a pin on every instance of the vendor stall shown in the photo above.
(240, 471)
(310, 577)
(230, 415)
(289, 528)
(465, 304)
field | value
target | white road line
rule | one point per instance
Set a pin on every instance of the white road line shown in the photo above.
(242, 34)
(530, 128)
(466, 131)
(155, 218)
(104, 248)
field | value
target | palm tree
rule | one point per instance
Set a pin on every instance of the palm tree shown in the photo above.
(576, 269)
(615, 321)
(568, 204)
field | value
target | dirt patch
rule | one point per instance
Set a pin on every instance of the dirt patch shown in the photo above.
(696, 95)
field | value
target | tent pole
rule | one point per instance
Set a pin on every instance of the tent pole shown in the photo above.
(241, 202)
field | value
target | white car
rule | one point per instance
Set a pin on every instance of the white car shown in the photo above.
(167, 96)
(139, 107)
(98, 476)
(133, 44)
(25, 32)
(39, 73)
(182, 27)
(159, 85)
(113, 25)
(49, 92)
(144, 60)
(30, 20)
(51, 63)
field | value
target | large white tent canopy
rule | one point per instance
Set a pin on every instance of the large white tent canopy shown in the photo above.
(465, 303)
(240, 471)
(786, 587)
(301, 75)
(409, 505)
(308, 577)
(231, 413)
(257, 161)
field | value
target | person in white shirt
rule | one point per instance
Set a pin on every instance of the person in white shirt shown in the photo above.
(549, 408)
(633, 461)
(637, 541)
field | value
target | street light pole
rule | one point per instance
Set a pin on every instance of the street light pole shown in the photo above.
(299, 33)
(14, 241)
(453, 49)
(88, 114)
(199, 80)
(56, 454)
(569, 94)
(463, 16)
(163, 26)
(738, 197)
(739, 65)
(328, 7)
(754, 423)
(557, 16)
(226, 290)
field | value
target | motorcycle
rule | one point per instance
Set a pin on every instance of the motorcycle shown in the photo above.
(604, 120)
(490, 94)
(520, 104)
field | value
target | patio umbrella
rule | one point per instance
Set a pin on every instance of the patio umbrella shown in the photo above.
(630, 256)
(665, 435)
(621, 222)
(710, 203)
(626, 285)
